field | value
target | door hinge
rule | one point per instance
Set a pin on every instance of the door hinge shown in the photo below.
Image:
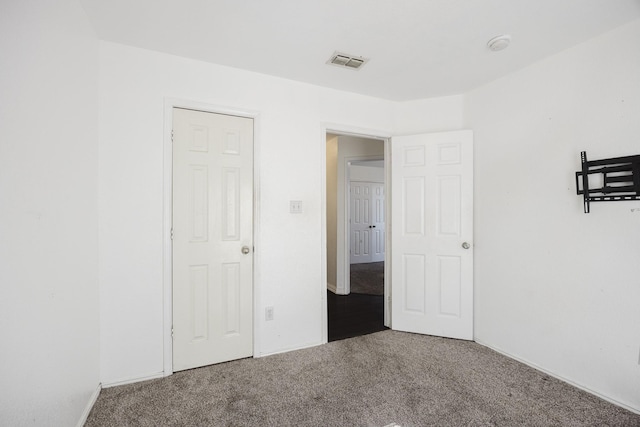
(172, 234)
(172, 332)
(171, 135)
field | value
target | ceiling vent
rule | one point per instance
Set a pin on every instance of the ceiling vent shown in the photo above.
(347, 61)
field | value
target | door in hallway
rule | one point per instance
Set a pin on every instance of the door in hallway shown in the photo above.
(366, 224)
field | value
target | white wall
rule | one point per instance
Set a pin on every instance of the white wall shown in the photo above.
(428, 115)
(134, 83)
(49, 367)
(554, 286)
(366, 173)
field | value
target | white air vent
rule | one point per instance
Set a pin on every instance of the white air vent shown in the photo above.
(347, 61)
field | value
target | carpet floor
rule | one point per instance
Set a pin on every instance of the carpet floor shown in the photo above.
(374, 380)
(367, 278)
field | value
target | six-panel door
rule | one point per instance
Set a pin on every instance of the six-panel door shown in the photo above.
(432, 224)
(212, 223)
(366, 224)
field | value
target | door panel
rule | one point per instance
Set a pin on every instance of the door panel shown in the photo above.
(360, 222)
(212, 222)
(432, 274)
(377, 221)
(367, 222)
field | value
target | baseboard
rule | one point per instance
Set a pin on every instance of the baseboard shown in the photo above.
(332, 287)
(87, 409)
(133, 380)
(286, 350)
(561, 378)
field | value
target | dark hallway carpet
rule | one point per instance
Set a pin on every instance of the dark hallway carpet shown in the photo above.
(362, 311)
(354, 315)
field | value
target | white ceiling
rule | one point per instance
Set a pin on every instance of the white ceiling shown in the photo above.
(417, 48)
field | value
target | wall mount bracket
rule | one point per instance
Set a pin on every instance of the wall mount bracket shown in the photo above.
(614, 180)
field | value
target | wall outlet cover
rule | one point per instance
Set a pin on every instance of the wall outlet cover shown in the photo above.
(295, 206)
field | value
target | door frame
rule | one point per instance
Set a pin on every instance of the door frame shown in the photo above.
(167, 218)
(347, 130)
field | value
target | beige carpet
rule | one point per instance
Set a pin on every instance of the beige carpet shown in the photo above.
(374, 380)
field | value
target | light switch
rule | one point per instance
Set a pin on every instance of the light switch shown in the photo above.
(295, 206)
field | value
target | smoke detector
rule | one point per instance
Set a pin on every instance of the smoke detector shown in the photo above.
(499, 42)
(347, 61)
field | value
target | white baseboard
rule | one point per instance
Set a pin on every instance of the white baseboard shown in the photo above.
(90, 403)
(332, 287)
(286, 350)
(133, 380)
(561, 378)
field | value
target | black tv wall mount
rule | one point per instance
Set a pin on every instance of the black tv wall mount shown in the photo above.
(618, 179)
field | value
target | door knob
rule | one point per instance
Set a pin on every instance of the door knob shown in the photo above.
(465, 245)
(245, 250)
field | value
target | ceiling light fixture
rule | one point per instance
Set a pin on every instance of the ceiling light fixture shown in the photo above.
(347, 61)
(499, 42)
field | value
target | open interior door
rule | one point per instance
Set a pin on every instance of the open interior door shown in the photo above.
(432, 232)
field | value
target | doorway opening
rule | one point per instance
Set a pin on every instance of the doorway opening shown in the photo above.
(356, 238)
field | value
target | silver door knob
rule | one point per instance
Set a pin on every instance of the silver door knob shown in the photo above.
(465, 245)
(245, 250)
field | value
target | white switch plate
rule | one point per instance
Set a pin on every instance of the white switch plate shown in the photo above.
(268, 313)
(295, 206)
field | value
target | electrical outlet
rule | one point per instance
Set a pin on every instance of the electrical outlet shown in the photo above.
(295, 206)
(268, 313)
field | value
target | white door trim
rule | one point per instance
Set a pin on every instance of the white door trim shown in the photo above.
(167, 178)
(385, 136)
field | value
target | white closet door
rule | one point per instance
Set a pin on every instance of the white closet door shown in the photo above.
(212, 238)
